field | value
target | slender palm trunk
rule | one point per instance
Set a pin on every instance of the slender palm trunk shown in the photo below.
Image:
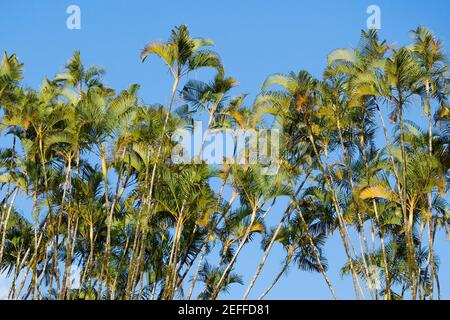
(209, 233)
(341, 223)
(315, 252)
(228, 269)
(430, 195)
(68, 256)
(50, 216)
(383, 251)
(272, 240)
(5, 223)
(104, 272)
(171, 275)
(401, 185)
(197, 271)
(90, 258)
(266, 252)
(379, 227)
(110, 213)
(408, 222)
(278, 277)
(18, 269)
(122, 258)
(137, 233)
(361, 231)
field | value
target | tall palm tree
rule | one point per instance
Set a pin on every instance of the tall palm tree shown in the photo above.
(429, 53)
(182, 54)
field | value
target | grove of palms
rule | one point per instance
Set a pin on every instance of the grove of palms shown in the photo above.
(109, 205)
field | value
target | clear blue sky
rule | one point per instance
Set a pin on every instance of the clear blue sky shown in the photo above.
(254, 39)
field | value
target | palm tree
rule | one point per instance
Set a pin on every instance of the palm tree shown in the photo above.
(429, 53)
(182, 54)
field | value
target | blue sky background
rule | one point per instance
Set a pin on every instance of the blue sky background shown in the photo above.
(254, 39)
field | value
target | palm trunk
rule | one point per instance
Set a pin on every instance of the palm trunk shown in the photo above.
(228, 269)
(185, 258)
(5, 224)
(171, 275)
(68, 256)
(315, 251)
(341, 223)
(401, 184)
(267, 252)
(407, 220)
(55, 267)
(383, 251)
(391, 156)
(197, 159)
(125, 250)
(155, 284)
(197, 271)
(378, 225)
(206, 240)
(272, 241)
(12, 290)
(90, 257)
(361, 232)
(430, 195)
(105, 263)
(134, 248)
(278, 277)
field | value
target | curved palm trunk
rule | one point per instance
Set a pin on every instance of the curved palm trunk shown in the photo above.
(171, 275)
(228, 269)
(266, 253)
(110, 214)
(174, 257)
(380, 231)
(122, 258)
(184, 260)
(5, 223)
(90, 258)
(197, 271)
(18, 269)
(316, 254)
(206, 240)
(272, 240)
(407, 217)
(104, 267)
(278, 277)
(430, 195)
(401, 183)
(383, 251)
(51, 225)
(341, 224)
(361, 232)
(68, 255)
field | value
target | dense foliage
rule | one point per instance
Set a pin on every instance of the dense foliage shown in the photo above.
(108, 204)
